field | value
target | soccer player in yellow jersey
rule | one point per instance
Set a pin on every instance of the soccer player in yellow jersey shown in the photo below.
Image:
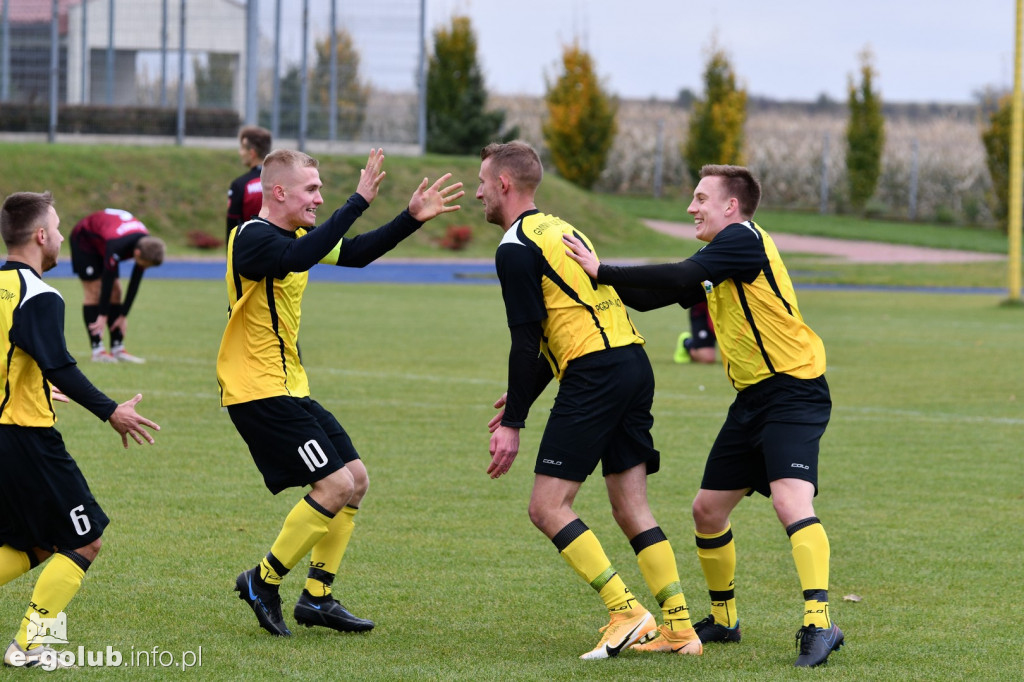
(769, 442)
(293, 440)
(563, 325)
(46, 508)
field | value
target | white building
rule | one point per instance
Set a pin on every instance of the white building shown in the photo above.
(140, 33)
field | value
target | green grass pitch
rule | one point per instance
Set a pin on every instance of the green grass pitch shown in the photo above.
(921, 495)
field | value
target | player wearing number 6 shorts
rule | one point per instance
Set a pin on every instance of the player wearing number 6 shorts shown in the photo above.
(46, 508)
(293, 440)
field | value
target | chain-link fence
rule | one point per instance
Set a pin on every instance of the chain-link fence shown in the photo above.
(313, 71)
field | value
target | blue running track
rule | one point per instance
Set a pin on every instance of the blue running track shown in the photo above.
(448, 272)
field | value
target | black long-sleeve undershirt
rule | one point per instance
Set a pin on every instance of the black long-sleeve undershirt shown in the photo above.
(72, 383)
(529, 373)
(646, 287)
(303, 254)
(363, 249)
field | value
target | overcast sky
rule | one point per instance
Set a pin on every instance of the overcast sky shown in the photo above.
(939, 50)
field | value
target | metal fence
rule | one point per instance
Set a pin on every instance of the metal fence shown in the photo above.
(309, 70)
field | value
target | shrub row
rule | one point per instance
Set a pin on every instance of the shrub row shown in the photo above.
(109, 120)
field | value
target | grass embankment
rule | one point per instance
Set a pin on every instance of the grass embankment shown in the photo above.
(176, 190)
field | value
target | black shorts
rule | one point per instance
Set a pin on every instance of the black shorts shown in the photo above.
(772, 431)
(87, 265)
(602, 413)
(294, 441)
(44, 499)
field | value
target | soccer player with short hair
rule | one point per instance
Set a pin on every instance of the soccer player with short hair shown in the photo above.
(46, 508)
(99, 242)
(563, 325)
(245, 195)
(293, 440)
(770, 440)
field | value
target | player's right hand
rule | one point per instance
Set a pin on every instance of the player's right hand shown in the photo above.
(371, 176)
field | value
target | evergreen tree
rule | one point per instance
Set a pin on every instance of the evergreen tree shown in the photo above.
(865, 136)
(580, 126)
(716, 124)
(352, 93)
(996, 138)
(457, 122)
(291, 91)
(215, 80)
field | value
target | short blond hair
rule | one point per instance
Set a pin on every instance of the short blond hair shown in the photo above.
(281, 160)
(519, 159)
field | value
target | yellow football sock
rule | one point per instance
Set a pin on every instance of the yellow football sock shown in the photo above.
(13, 563)
(583, 552)
(658, 565)
(811, 553)
(305, 524)
(329, 551)
(717, 554)
(57, 585)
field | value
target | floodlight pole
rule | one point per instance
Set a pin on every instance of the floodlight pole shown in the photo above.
(1016, 159)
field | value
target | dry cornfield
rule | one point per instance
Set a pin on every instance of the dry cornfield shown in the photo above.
(786, 149)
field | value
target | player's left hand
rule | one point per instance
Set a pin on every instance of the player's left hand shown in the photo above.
(430, 202)
(120, 323)
(58, 395)
(579, 252)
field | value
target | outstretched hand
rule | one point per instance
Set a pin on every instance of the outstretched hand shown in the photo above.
(430, 202)
(371, 176)
(127, 422)
(579, 252)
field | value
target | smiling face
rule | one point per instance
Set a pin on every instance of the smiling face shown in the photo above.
(299, 191)
(711, 208)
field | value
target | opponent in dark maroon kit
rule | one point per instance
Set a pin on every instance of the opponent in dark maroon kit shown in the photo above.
(99, 242)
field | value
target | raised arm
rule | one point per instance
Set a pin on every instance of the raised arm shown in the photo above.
(427, 202)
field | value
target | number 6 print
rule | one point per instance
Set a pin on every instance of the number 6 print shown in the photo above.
(81, 521)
